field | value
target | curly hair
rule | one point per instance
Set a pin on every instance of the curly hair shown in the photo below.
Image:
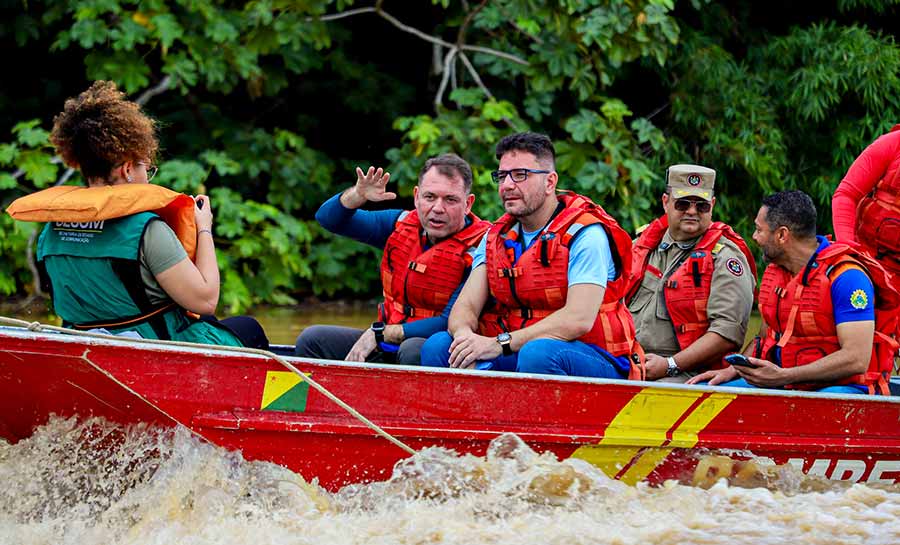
(101, 129)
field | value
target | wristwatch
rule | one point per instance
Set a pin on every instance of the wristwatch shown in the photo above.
(378, 330)
(504, 340)
(673, 369)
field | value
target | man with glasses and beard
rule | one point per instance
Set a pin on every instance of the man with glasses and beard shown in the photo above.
(692, 281)
(545, 292)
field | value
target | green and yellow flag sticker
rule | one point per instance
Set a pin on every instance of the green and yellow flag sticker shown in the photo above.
(284, 391)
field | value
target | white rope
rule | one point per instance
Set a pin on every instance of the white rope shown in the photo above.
(37, 326)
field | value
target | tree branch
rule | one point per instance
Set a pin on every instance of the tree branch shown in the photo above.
(475, 75)
(464, 27)
(343, 14)
(37, 291)
(657, 111)
(448, 58)
(487, 50)
(418, 33)
(158, 89)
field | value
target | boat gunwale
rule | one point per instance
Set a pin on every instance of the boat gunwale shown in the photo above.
(151, 345)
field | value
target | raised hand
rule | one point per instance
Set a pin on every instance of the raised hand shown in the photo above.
(370, 186)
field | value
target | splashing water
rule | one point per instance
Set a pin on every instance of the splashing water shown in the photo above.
(95, 483)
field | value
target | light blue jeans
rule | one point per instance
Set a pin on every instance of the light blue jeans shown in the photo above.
(541, 356)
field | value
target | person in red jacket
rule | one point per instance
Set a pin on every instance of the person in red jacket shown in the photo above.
(545, 293)
(866, 204)
(829, 313)
(692, 281)
(426, 259)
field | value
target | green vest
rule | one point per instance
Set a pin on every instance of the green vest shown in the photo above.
(94, 271)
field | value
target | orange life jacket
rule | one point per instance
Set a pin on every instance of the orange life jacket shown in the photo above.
(418, 283)
(536, 285)
(86, 204)
(686, 290)
(878, 218)
(799, 315)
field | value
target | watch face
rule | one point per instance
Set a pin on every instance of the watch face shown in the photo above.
(503, 337)
(377, 326)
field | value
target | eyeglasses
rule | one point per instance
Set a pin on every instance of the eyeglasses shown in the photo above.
(683, 205)
(518, 175)
(151, 170)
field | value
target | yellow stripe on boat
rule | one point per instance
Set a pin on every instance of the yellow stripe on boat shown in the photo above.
(634, 438)
(686, 434)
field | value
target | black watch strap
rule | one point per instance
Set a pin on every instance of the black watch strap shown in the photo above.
(505, 343)
(378, 329)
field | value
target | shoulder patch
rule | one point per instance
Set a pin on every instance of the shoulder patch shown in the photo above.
(734, 266)
(859, 300)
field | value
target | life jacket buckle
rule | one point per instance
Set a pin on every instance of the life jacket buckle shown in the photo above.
(409, 311)
(418, 267)
(526, 313)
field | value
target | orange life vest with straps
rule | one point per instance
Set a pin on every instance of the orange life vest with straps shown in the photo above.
(536, 285)
(418, 283)
(102, 280)
(878, 218)
(686, 291)
(799, 315)
(87, 204)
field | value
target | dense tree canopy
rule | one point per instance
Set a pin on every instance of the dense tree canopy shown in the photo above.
(268, 105)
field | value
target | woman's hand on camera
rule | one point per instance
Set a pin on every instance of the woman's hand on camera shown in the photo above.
(203, 212)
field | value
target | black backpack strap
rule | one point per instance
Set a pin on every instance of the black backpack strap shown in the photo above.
(44, 279)
(129, 273)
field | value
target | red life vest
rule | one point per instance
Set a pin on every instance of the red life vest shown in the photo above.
(799, 315)
(418, 283)
(535, 286)
(878, 218)
(686, 291)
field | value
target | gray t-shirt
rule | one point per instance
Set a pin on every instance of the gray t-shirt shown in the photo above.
(160, 251)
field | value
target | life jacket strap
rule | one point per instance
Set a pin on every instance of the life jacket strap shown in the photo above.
(126, 321)
(414, 312)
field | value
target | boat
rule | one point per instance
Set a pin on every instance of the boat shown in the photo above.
(633, 431)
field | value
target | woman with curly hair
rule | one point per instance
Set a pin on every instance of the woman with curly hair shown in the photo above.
(118, 254)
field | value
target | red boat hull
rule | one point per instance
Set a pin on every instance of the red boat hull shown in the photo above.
(633, 431)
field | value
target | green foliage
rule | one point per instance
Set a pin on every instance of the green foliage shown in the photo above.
(268, 108)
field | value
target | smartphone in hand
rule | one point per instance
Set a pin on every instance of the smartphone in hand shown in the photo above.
(740, 360)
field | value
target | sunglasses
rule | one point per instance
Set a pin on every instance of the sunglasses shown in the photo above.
(683, 205)
(518, 175)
